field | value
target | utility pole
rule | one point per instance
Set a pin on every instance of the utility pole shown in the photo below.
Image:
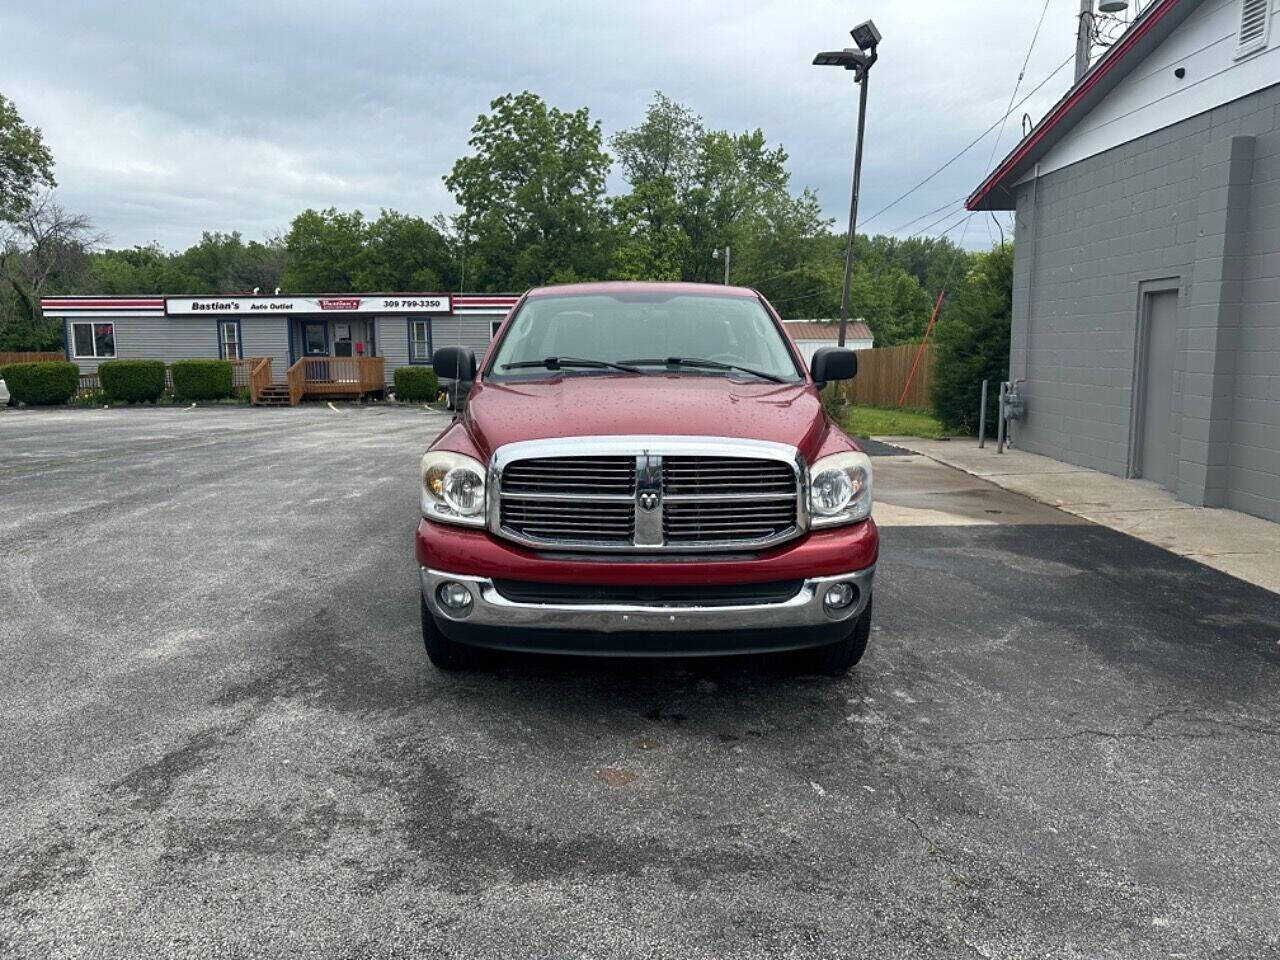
(1084, 38)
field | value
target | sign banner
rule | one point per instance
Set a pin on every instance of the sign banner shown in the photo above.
(232, 306)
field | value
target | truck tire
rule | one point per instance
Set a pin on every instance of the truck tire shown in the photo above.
(841, 656)
(446, 654)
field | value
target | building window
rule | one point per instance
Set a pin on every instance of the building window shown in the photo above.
(493, 328)
(93, 340)
(419, 341)
(229, 339)
(1255, 19)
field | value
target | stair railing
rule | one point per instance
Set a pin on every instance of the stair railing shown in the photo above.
(259, 377)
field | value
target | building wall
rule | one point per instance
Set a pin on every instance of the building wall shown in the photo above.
(152, 338)
(456, 331)
(266, 337)
(1195, 206)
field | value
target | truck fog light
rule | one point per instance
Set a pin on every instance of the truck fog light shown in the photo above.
(454, 596)
(840, 596)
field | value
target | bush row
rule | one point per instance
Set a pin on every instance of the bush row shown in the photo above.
(138, 381)
(122, 381)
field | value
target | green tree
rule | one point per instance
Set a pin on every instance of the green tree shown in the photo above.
(532, 196)
(324, 250)
(695, 191)
(649, 243)
(785, 250)
(46, 251)
(224, 263)
(403, 252)
(973, 339)
(141, 269)
(26, 165)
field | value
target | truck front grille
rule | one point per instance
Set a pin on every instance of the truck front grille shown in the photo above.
(649, 501)
(570, 475)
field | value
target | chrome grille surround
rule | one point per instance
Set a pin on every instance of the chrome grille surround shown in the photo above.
(680, 494)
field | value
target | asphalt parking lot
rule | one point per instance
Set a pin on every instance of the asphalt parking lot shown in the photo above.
(221, 737)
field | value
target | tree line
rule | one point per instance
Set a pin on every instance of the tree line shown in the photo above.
(533, 208)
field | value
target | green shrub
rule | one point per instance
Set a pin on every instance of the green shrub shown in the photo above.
(973, 343)
(416, 384)
(202, 379)
(42, 384)
(132, 381)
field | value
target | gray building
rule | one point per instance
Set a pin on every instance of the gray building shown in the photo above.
(327, 341)
(1146, 301)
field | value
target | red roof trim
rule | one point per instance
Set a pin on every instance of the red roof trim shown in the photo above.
(1068, 103)
(81, 303)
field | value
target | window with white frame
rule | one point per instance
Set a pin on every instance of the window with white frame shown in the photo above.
(420, 341)
(229, 339)
(1255, 23)
(93, 341)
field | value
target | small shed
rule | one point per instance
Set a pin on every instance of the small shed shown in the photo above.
(810, 335)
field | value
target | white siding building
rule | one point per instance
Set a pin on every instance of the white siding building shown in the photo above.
(811, 335)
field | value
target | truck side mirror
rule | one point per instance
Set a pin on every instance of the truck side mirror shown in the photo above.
(454, 363)
(833, 363)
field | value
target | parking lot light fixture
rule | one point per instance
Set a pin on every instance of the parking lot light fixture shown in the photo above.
(860, 61)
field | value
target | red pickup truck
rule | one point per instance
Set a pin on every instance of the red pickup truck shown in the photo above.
(645, 469)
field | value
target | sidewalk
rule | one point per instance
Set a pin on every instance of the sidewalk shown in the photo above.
(1235, 543)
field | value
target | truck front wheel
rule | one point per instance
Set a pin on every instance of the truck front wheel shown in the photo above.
(445, 654)
(841, 656)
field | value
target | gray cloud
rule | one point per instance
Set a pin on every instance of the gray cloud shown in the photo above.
(169, 118)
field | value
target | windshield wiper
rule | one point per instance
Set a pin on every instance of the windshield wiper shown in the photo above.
(555, 363)
(705, 365)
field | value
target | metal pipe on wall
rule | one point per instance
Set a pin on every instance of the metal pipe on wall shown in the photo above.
(1004, 387)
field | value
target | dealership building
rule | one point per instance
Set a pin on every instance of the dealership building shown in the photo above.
(311, 340)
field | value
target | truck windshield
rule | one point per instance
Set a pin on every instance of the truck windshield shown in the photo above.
(735, 333)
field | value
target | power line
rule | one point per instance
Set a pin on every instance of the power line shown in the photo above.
(973, 143)
(1016, 87)
(995, 146)
(923, 230)
(946, 206)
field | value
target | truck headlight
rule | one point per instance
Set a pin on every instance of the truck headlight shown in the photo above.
(840, 490)
(453, 489)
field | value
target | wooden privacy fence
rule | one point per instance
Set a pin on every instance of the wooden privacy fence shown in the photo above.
(31, 357)
(883, 372)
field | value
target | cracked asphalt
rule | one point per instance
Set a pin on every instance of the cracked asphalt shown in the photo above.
(220, 737)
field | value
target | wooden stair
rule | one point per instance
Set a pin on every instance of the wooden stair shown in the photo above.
(274, 395)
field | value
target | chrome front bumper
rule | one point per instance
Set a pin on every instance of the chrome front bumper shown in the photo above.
(489, 608)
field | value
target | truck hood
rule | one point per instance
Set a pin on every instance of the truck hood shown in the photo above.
(656, 404)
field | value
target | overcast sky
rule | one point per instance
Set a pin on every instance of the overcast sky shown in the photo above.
(167, 118)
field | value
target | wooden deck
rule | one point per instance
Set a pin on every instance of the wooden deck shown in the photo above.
(318, 378)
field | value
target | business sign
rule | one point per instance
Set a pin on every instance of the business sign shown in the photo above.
(231, 306)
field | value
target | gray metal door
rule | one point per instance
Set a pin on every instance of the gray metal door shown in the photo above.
(1155, 461)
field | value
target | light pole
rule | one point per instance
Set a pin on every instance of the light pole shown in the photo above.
(715, 255)
(860, 61)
